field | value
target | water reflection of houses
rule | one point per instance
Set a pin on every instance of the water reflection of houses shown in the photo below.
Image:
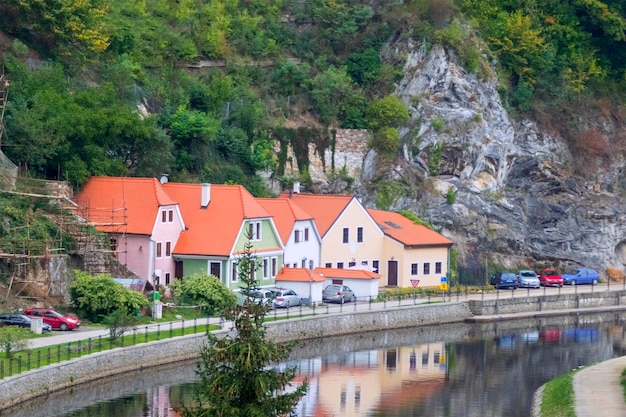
(356, 383)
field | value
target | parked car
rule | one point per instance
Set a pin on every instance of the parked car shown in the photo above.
(504, 279)
(55, 319)
(528, 279)
(284, 297)
(264, 296)
(334, 293)
(548, 277)
(14, 319)
(581, 276)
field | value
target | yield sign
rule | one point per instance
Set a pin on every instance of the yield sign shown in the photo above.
(414, 282)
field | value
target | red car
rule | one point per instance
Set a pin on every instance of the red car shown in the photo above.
(55, 319)
(548, 277)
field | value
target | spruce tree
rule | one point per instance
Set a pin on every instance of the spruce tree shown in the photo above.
(237, 373)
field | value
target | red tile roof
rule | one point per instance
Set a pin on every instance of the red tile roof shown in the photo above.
(299, 275)
(325, 208)
(402, 229)
(346, 273)
(122, 204)
(213, 230)
(285, 213)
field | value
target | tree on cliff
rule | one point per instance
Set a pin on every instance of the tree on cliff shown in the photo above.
(237, 376)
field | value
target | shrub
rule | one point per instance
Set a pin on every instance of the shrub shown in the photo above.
(12, 339)
(204, 290)
(95, 297)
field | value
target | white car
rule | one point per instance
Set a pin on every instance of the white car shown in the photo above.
(284, 297)
(528, 279)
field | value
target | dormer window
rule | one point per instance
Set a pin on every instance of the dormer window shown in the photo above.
(255, 230)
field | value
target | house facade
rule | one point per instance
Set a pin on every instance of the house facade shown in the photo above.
(308, 283)
(142, 221)
(220, 220)
(350, 237)
(298, 232)
(414, 254)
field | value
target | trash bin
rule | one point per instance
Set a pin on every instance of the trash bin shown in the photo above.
(36, 325)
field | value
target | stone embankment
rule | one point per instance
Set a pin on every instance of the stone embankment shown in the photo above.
(70, 374)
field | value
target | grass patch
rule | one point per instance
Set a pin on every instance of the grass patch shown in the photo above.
(35, 358)
(558, 397)
(622, 382)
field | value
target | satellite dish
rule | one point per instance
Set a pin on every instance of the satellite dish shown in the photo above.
(163, 179)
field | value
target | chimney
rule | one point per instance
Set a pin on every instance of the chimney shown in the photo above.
(206, 195)
(296, 187)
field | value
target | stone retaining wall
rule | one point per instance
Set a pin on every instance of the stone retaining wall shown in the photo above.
(48, 379)
(507, 305)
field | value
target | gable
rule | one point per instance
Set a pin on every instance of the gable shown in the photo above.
(115, 204)
(324, 208)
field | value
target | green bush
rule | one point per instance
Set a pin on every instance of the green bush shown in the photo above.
(204, 290)
(95, 297)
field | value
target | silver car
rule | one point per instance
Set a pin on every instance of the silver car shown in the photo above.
(284, 297)
(528, 279)
(334, 293)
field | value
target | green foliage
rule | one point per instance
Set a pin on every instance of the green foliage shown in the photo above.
(438, 124)
(204, 290)
(388, 193)
(13, 339)
(436, 151)
(386, 112)
(118, 322)
(95, 297)
(450, 196)
(238, 376)
(415, 218)
(386, 140)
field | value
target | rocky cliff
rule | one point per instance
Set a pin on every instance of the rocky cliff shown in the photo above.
(501, 188)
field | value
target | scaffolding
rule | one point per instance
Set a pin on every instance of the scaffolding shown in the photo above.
(101, 232)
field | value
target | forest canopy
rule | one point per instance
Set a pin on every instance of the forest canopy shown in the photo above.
(112, 87)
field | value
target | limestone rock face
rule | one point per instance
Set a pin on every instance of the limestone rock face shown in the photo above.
(515, 198)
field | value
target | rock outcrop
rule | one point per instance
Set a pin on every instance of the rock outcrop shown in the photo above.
(500, 188)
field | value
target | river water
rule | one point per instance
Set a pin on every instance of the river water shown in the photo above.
(446, 370)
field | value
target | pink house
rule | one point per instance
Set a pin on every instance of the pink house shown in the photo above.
(143, 222)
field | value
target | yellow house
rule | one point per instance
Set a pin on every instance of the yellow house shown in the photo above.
(350, 237)
(414, 254)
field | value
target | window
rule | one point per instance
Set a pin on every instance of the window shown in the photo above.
(339, 265)
(234, 272)
(167, 278)
(168, 248)
(375, 266)
(304, 263)
(215, 269)
(158, 249)
(297, 236)
(346, 235)
(266, 268)
(274, 264)
(359, 234)
(306, 234)
(113, 242)
(170, 216)
(255, 230)
(426, 268)
(328, 265)
(414, 269)
(437, 267)
(364, 263)
(351, 264)
(163, 216)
